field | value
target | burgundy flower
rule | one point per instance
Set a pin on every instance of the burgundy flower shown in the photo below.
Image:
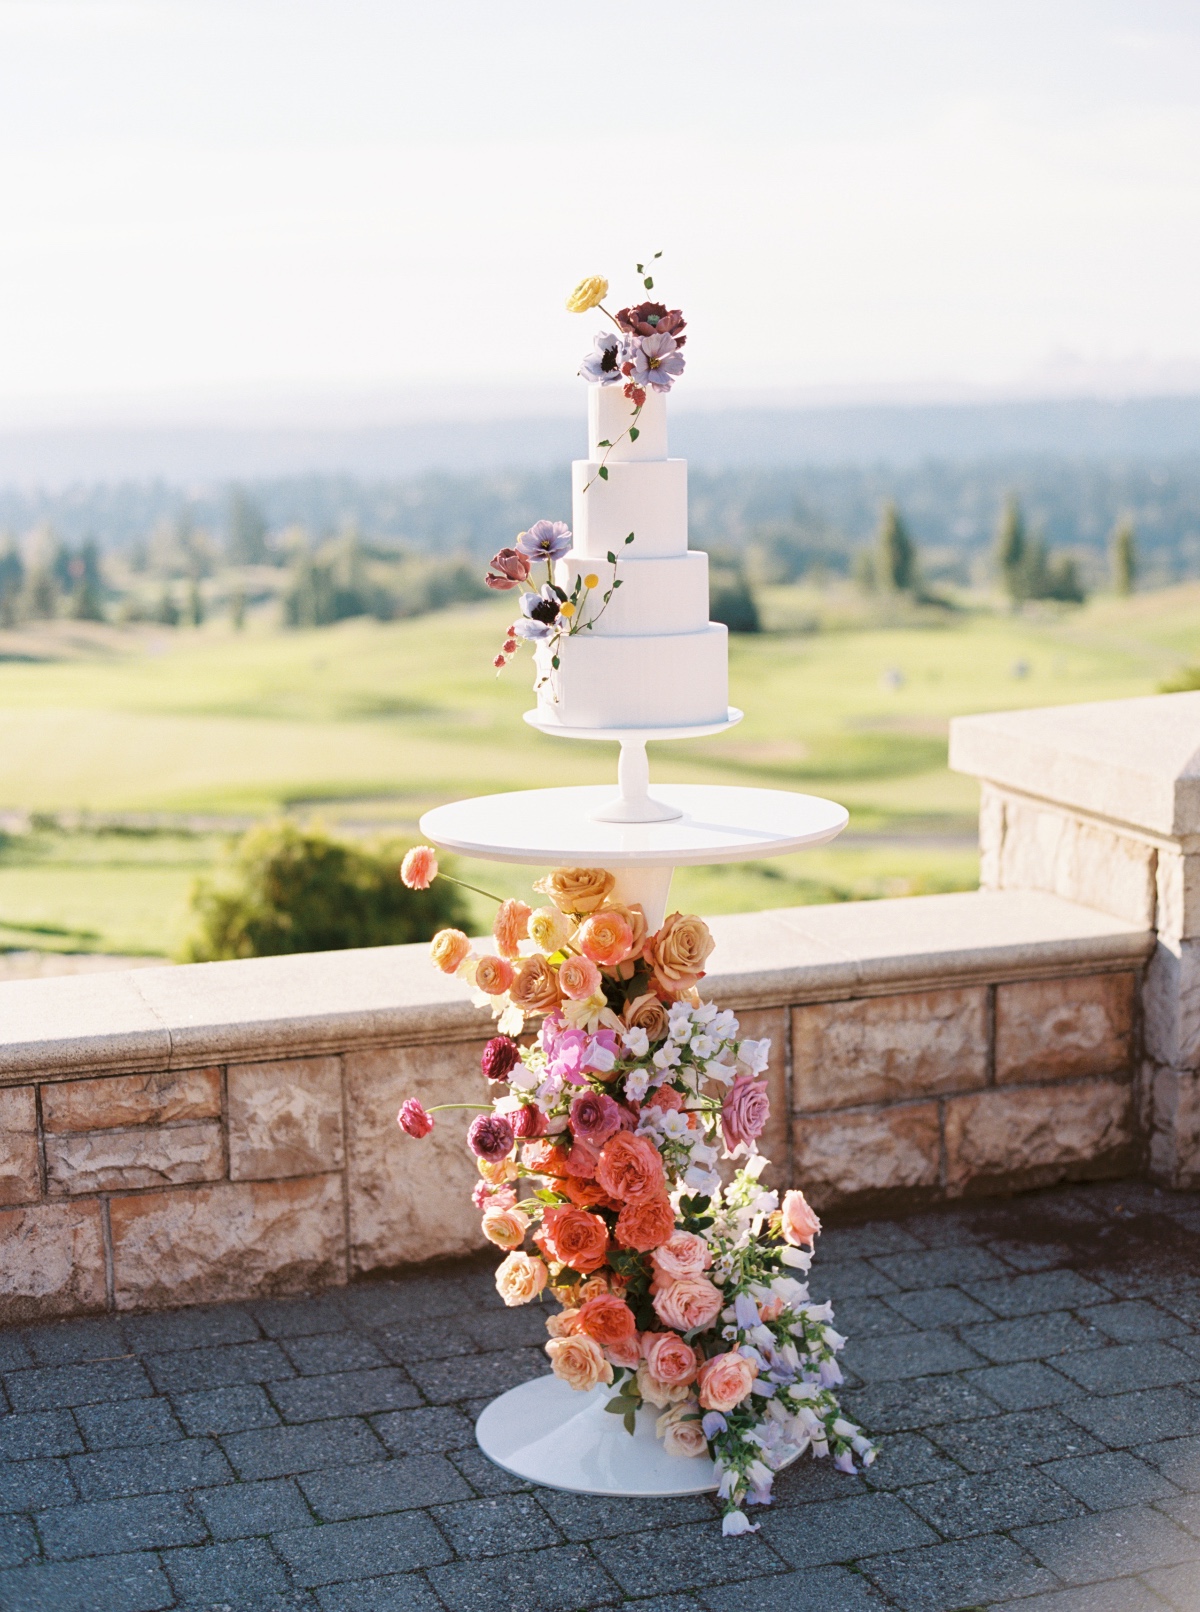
(594, 1118)
(653, 319)
(490, 1137)
(508, 569)
(413, 1119)
(636, 394)
(529, 1122)
(745, 1112)
(500, 1057)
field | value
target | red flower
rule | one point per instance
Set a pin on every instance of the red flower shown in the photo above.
(653, 319)
(500, 1057)
(507, 569)
(413, 1119)
(635, 394)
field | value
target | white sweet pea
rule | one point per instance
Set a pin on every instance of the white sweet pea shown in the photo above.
(637, 1043)
(511, 1022)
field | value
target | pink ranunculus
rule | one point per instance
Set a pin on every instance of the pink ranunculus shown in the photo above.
(490, 1137)
(745, 1112)
(578, 978)
(799, 1223)
(684, 1254)
(528, 1122)
(688, 1303)
(725, 1380)
(413, 1119)
(594, 1118)
(485, 1196)
(419, 868)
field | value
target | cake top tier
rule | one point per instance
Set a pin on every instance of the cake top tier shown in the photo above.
(611, 415)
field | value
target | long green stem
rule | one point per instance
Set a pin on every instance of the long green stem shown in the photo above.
(440, 1108)
(463, 885)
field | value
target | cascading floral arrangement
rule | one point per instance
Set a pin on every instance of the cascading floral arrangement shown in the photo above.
(601, 1145)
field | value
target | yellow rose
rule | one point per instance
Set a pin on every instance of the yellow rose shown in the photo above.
(576, 889)
(587, 294)
(549, 929)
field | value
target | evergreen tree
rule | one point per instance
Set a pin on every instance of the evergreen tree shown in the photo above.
(12, 582)
(87, 590)
(1124, 557)
(167, 614)
(195, 604)
(1012, 551)
(237, 610)
(895, 553)
(247, 544)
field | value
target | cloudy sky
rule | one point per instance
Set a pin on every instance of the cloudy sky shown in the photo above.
(293, 207)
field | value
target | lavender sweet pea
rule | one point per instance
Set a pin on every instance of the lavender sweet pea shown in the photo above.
(545, 540)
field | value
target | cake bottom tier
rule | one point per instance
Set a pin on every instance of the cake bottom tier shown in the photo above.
(660, 680)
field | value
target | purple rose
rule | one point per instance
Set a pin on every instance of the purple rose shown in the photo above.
(745, 1112)
(545, 540)
(490, 1137)
(500, 1057)
(657, 362)
(594, 1118)
(602, 366)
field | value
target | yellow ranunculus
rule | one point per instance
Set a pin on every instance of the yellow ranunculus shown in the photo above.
(587, 294)
(591, 580)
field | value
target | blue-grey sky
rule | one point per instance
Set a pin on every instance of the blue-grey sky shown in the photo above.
(224, 205)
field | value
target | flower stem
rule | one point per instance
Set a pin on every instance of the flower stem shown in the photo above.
(463, 885)
(440, 1108)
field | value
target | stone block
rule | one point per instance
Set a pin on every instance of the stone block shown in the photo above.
(285, 1119)
(19, 1181)
(189, 1245)
(991, 836)
(1047, 848)
(106, 1160)
(1035, 1135)
(1173, 1125)
(1064, 1029)
(118, 1101)
(53, 1261)
(411, 1200)
(1171, 1003)
(1178, 893)
(872, 1156)
(771, 1024)
(888, 1048)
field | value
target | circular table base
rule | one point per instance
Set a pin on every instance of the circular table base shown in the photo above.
(558, 1437)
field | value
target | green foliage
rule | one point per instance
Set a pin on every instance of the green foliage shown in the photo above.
(346, 578)
(167, 613)
(1123, 548)
(1026, 566)
(247, 540)
(195, 604)
(731, 598)
(287, 890)
(1012, 550)
(1185, 681)
(895, 567)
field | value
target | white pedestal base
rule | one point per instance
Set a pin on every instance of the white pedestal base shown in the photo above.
(553, 1435)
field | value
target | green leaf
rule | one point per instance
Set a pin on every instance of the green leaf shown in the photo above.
(638, 267)
(658, 254)
(605, 444)
(648, 283)
(630, 1422)
(603, 472)
(634, 433)
(612, 559)
(616, 1407)
(554, 662)
(629, 539)
(618, 583)
(546, 1195)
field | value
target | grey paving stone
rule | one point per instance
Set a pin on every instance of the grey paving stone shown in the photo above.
(856, 1278)
(186, 1370)
(1037, 1293)
(1034, 1337)
(581, 1517)
(131, 1421)
(1122, 1420)
(908, 1458)
(810, 1479)
(861, 1242)
(991, 1502)
(110, 1527)
(823, 1590)
(1110, 1479)
(421, 1341)
(937, 1307)
(1177, 1459)
(922, 1402)
(561, 1579)
(344, 1393)
(1132, 1320)
(65, 1343)
(333, 1351)
(14, 1356)
(426, 1430)
(27, 1485)
(685, 1558)
(497, 1525)
(91, 1383)
(484, 1477)
(872, 1318)
(1027, 1256)
(108, 1584)
(226, 1410)
(1119, 1595)
(368, 1548)
(150, 1469)
(945, 1227)
(1025, 1386)
(1088, 1549)
(193, 1328)
(234, 1572)
(1176, 1586)
(18, 1542)
(299, 1317)
(1017, 1439)
(381, 1304)
(444, 1380)
(38, 1433)
(520, 1328)
(940, 1267)
(961, 1575)
(1183, 1509)
(273, 1452)
(400, 1485)
(908, 1354)
(1126, 1366)
(241, 1510)
(844, 1530)
(400, 1592)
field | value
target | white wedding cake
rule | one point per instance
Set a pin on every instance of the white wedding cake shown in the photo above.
(652, 658)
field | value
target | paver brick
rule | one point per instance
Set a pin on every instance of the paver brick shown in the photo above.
(684, 1558)
(844, 1530)
(134, 1583)
(1133, 1319)
(1178, 1459)
(560, 1579)
(935, 1267)
(130, 1421)
(92, 1383)
(821, 1590)
(339, 1493)
(921, 1402)
(580, 1517)
(1177, 1586)
(202, 1326)
(1013, 1440)
(344, 1393)
(190, 1369)
(240, 1571)
(241, 1510)
(991, 1502)
(18, 1542)
(333, 1351)
(67, 1343)
(854, 1278)
(426, 1430)
(299, 1317)
(496, 1526)
(1127, 1366)
(1033, 1337)
(959, 1575)
(1119, 1595)
(1024, 1386)
(366, 1548)
(420, 1341)
(937, 1307)
(444, 1380)
(911, 1458)
(1086, 1549)
(398, 1592)
(14, 1355)
(1109, 1479)
(1037, 1292)
(908, 1354)
(110, 1527)
(150, 1469)
(274, 1452)
(226, 1410)
(38, 1433)
(1123, 1420)
(27, 1485)
(484, 1477)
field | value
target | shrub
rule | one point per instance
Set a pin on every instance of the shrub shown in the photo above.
(731, 600)
(286, 890)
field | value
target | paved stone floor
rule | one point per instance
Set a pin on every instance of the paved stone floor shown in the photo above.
(1031, 1367)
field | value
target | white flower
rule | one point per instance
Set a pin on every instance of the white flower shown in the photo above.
(755, 1054)
(724, 1026)
(511, 1022)
(702, 1153)
(637, 1042)
(795, 1257)
(703, 1046)
(720, 1071)
(522, 1078)
(674, 1125)
(705, 1013)
(820, 1312)
(843, 1428)
(666, 1057)
(636, 1082)
(834, 1339)
(702, 1180)
(737, 1522)
(679, 1020)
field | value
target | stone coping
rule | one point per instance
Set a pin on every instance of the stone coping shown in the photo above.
(162, 1018)
(1130, 761)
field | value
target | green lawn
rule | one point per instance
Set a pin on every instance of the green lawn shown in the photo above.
(364, 725)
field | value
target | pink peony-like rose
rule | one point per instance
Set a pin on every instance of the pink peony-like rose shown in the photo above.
(646, 1224)
(486, 1196)
(578, 978)
(579, 1361)
(798, 1222)
(505, 1227)
(563, 1325)
(493, 975)
(413, 1119)
(631, 1168)
(626, 1352)
(511, 927)
(606, 937)
(582, 1159)
(507, 569)
(490, 1136)
(685, 1254)
(544, 1157)
(449, 949)
(528, 1121)
(500, 1057)
(520, 1278)
(725, 1380)
(595, 1117)
(656, 1392)
(745, 1112)
(419, 868)
(669, 1358)
(688, 1303)
(681, 1432)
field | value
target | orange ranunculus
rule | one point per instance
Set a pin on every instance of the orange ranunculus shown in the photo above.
(493, 975)
(511, 927)
(449, 949)
(607, 1319)
(630, 1168)
(575, 1237)
(578, 978)
(606, 938)
(647, 1224)
(535, 985)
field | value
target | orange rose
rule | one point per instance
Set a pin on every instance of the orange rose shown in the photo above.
(563, 1325)
(505, 1227)
(449, 949)
(493, 975)
(576, 889)
(679, 951)
(575, 1237)
(606, 937)
(725, 1380)
(646, 1225)
(543, 1158)
(578, 1360)
(669, 1358)
(534, 987)
(607, 1319)
(587, 1194)
(631, 1168)
(511, 927)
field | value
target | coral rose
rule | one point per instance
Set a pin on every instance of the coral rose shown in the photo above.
(576, 1237)
(520, 1278)
(647, 1013)
(549, 929)
(725, 1380)
(630, 1168)
(681, 1432)
(414, 1119)
(744, 1113)
(587, 1194)
(592, 1287)
(576, 889)
(798, 1222)
(578, 978)
(684, 1254)
(582, 1160)
(688, 1303)
(419, 868)
(449, 949)
(605, 937)
(646, 1225)
(579, 1361)
(543, 1157)
(679, 951)
(510, 928)
(505, 1227)
(669, 1358)
(534, 987)
(607, 1319)
(656, 1392)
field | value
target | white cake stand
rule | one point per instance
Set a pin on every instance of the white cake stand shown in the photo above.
(543, 1430)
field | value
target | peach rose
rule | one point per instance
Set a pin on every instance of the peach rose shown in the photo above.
(505, 1227)
(419, 868)
(549, 929)
(563, 1325)
(725, 1380)
(579, 1361)
(669, 1358)
(578, 978)
(575, 1237)
(656, 1392)
(592, 1287)
(680, 1430)
(688, 1303)
(605, 937)
(645, 1225)
(647, 1013)
(798, 1223)
(576, 889)
(542, 1157)
(520, 1278)
(511, 927)
(535, 985)
(679, 951)
(449, 949)
(638, 928)
(493, 975)
(630, 1168)
(625, 1352)
(607, 1319)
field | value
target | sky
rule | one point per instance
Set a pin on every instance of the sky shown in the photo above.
(319, 210)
